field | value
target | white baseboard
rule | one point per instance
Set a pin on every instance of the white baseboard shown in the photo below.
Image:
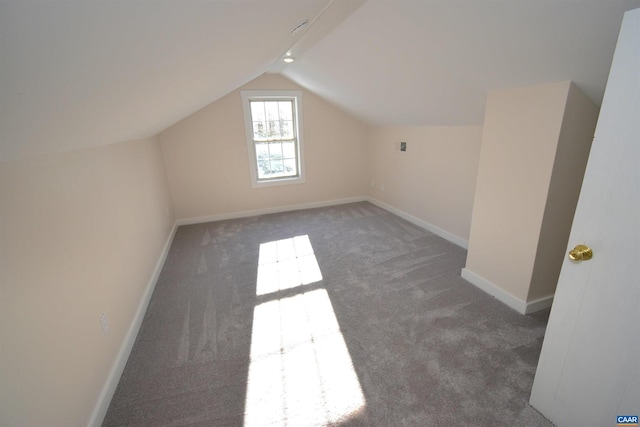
(422, 224)
(278, 209)
(493, 290)
(412, 219)
(500, 294)
(104, 400)
(100, 410)
(539, 304)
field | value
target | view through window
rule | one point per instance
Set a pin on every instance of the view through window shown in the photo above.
(274, 138)
(273, 127)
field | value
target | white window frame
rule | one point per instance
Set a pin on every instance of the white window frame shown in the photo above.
(265, 95)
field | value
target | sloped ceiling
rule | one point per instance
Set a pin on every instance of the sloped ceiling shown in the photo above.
(82, 73)
(432, 62)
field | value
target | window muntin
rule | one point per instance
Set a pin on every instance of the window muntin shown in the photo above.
(273, 126)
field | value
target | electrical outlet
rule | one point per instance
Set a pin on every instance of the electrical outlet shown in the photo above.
(104, 323)
(403, 146)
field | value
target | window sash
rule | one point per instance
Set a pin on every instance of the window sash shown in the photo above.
(272, 162)
(273, 119)
(274, 124)
(281, 127)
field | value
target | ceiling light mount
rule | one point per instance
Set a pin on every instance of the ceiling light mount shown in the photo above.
(288, 58)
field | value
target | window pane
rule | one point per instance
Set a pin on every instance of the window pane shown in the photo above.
(275, 150)
(263, 172)
(273, 129)
(286, 129)
(286, 110)
(289, 150)
(262, 150)
(257, 111)
(262, 157)
(271, 109)
(290, 167)
(276, 166)
(259, 130)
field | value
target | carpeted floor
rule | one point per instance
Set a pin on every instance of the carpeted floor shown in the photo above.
(342, 316)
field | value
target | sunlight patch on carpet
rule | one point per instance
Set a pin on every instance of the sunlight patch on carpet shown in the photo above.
(300, 371)
(285, 264)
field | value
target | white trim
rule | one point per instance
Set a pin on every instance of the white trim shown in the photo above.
(501, 295)
(243, 214)
(109, 388)
(278, 209)
(296, 96)
(495, 291)
(539, 304)
(422, 224)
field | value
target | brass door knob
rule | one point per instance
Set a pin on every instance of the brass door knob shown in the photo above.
(581, 253)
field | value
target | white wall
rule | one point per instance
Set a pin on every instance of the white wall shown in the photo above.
(525, 140)
(572, 153)
(208, 166)
(518, 149)
(81, 233)
(434, 180)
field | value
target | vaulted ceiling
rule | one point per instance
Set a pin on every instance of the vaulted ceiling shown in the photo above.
(432, 62)
(82, 73)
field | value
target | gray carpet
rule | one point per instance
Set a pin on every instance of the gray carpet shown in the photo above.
(363, 322)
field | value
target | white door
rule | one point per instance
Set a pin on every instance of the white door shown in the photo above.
(589, 368)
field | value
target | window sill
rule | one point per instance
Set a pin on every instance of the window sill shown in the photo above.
(278, 182)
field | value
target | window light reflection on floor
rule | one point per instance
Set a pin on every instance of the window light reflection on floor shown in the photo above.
(300, 371)
(285, 264)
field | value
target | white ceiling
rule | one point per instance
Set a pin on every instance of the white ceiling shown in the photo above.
(432, 62)
(82, 73)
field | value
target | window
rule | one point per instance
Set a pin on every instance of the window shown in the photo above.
(274, 137)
